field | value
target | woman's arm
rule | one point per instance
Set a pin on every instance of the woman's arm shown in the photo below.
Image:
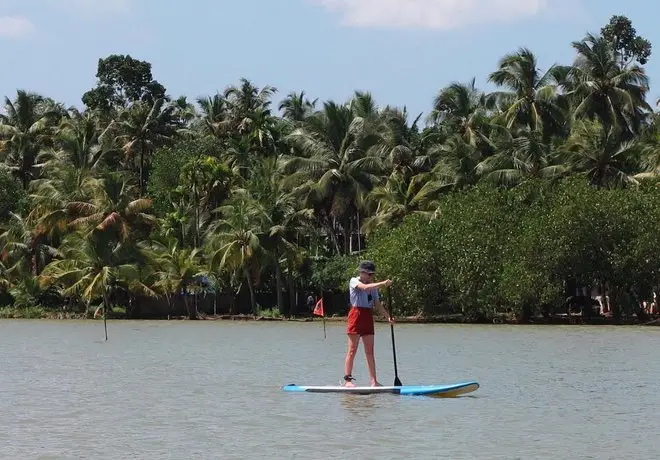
(380, 284)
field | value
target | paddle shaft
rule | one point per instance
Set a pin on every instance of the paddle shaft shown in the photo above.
(397, 382)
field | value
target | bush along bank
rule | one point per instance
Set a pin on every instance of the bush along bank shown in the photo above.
(529, 252)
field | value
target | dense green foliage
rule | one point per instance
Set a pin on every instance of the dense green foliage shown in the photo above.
(498, 250)
(503, 201)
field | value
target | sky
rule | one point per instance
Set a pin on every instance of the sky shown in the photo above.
(402, 51)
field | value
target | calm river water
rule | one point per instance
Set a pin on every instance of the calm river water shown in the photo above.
(212, 390)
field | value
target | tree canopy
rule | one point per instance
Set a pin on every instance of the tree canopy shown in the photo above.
(498, 201)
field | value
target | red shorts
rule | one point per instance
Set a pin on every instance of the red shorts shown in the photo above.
(360, 321)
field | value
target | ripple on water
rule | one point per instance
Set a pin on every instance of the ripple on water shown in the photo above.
(180, 390)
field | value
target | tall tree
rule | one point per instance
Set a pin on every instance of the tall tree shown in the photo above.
(113, 209)
(628, 45)
(93, 267)
(121, 81)
(296, 107)
(25, 130)
(234, 239)
(338, 168)
(533, 98)
(461, 108)
(602, 155)
(144, 127)
(602, 89)
(282, 221)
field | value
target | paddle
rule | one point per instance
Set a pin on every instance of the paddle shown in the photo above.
(397, 382)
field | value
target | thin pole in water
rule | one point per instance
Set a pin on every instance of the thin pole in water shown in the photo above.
(323, 303)
(105, 323)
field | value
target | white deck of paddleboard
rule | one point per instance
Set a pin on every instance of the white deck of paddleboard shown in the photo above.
(460, 388)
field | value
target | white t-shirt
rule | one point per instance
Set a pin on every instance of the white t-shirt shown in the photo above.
(360, 297)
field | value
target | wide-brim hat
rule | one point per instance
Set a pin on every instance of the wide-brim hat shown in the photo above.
(367, 266)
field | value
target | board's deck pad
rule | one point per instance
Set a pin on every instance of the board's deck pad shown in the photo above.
(445, 391)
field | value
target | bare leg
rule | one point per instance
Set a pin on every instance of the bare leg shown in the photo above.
(371, 361)
(353, 343)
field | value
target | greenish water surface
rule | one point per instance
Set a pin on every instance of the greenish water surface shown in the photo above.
(212, 389)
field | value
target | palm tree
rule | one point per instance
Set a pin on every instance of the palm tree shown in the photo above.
(247, 104)
(462, 108)
(234, 239)
(363, 105)
(282, 221)
(400, 197)
(650, 150)
(533, 98)
(296, 107)
(79, 153)
(113, 208)
(94, 267)
(5, 284)
(521, 155)
(456, 162)
(144, 127)
(603, 156)
(177, 272)
(400, 143)
(601, 89)
(80, 144)
(25, 248)
(207, 180)
(215, 116)
(25, 131)
(340, 165)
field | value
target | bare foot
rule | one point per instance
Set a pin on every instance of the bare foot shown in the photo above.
(349, 384)
(376, 384)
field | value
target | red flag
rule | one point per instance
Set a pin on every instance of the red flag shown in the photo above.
(318, 309)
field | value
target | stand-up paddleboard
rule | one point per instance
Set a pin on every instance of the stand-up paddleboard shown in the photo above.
(438, 391)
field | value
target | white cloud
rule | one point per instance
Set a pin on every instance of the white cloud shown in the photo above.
(15, 27)
(431, 14)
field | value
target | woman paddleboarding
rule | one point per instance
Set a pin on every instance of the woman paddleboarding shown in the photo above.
(364, 297)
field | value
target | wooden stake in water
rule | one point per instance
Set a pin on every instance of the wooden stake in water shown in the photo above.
(319, 310)
(324, 336)
(105, 324)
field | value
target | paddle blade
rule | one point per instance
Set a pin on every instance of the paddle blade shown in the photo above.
(397, 382)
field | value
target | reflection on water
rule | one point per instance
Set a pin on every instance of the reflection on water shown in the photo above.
(360, 405)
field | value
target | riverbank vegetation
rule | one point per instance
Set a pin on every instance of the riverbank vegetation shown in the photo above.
(504, 202)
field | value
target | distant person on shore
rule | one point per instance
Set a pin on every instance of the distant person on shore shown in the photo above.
(364, 297)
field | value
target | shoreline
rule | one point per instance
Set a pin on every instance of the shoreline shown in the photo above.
(11, 313)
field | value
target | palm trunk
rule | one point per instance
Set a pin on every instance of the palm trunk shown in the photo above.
(106, 301)
(253, 300)
(34, 256)
(191, 309)
(333, 236)
(350, 236)
(278, 284)
(292, 293)
(142, 148)
(359, 242)
(196, 195)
